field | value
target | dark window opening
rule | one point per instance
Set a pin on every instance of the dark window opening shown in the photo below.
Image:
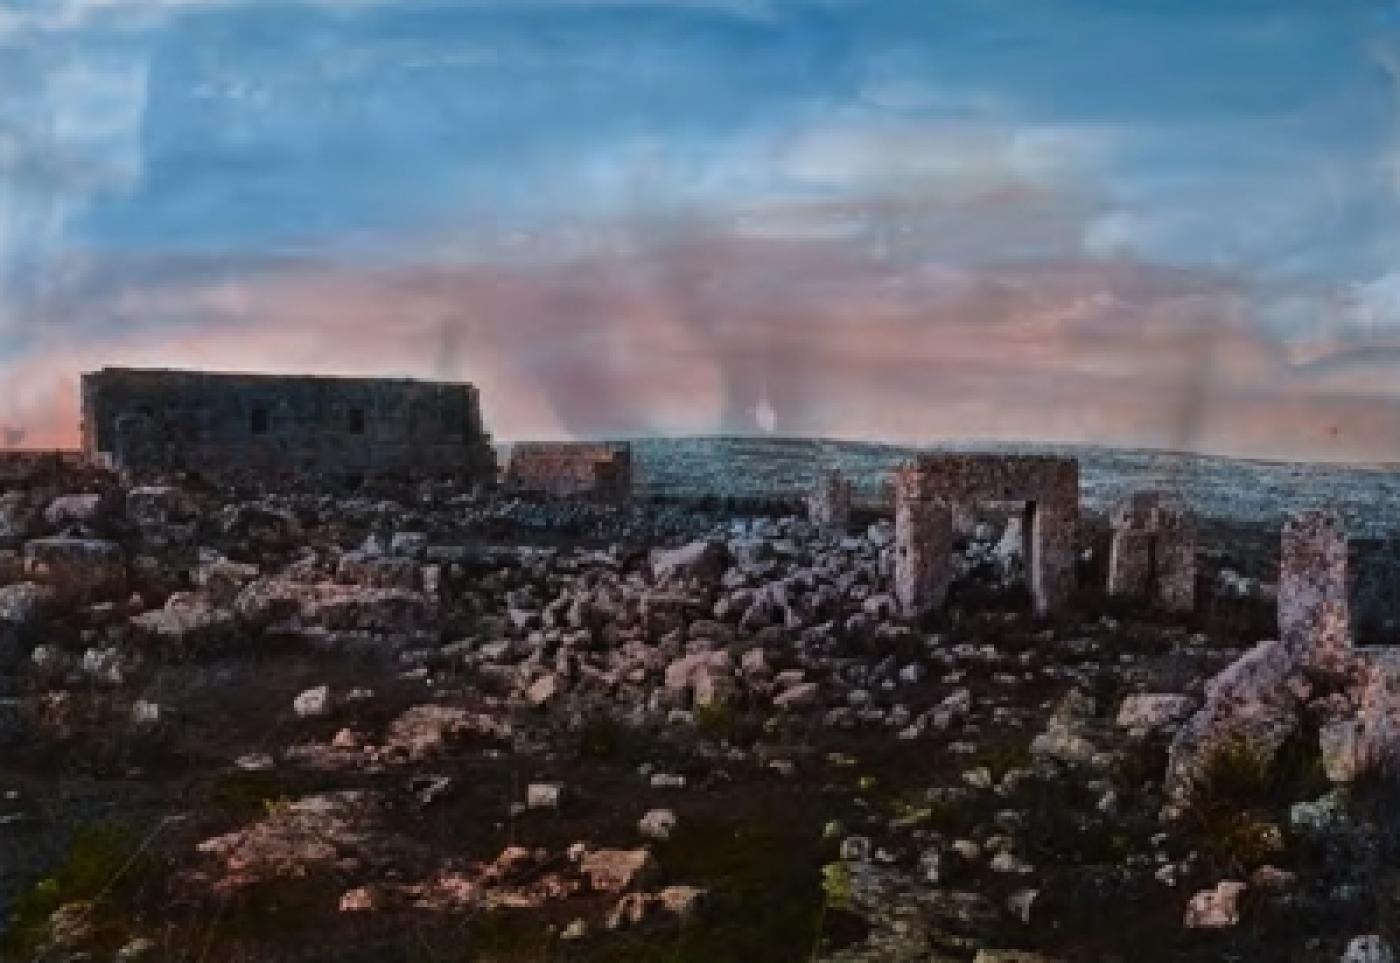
(357, 421)
(258, 421)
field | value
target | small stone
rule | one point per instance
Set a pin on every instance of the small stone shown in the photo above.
(544, 795)
(542, 690)
(1368, 949)
(362, 899)
(856, 849)
(658, 824)
(615, 870)
(576, 930)
(254, 762)
(1215, 908)
(1021, 902)
(313, 703)
(144, 714)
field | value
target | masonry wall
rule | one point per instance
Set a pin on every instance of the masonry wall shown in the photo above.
(602, 470)
(146, 419)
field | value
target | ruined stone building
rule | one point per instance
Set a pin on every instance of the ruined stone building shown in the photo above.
(156, 419)
(594, 469)
(931, 489)
(1153, 553)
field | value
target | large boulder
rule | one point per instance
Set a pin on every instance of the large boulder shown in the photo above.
(79, 569)
(268, 602)
(1250, 703)
(702, 560)
(188, 624)
(83, 510)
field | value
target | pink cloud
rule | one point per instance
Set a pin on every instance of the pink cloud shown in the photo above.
(696, 334)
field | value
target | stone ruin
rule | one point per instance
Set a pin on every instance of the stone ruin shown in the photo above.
(829, 504)
(929, 490)
(1313, 612)
(156, 420)
(561, 469)
(1153, 552)
(1261, 698)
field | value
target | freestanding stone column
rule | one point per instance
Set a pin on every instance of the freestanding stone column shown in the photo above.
(1314, 619)
(829, 504)
(923, 552)
(1049, 529)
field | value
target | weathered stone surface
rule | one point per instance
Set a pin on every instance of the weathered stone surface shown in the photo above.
(1152, 711)
(24, 603)
(616, 870)
(1215, 908)
(1368, 949)
(1153, 553)
(188, 624)
(83, 509)
(571, 468)
(829, 504)
(1249, 702)
(1313, 612)
(701, 560)
(923, 545)
(927, 488)
(265, 603)
(279, 425)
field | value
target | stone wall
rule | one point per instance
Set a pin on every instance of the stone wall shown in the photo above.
(154, 420)
(1153, 553)
(928, 491)
(595, 469)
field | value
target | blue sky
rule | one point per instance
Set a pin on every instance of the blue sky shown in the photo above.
(172, 167)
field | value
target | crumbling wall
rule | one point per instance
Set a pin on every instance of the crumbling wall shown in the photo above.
(929, 490)
(153, 420)
(600, 470)
(1153, 552)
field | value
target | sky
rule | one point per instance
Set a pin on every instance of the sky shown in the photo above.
(1160, 223)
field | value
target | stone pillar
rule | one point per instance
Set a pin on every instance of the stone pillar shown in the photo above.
(1130, 563)
(1175, 575)
(923, 553)
(1313, 616)
(829, 504)
(1050, 529)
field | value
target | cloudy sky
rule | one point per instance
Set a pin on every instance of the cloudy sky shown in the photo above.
(1158, 222)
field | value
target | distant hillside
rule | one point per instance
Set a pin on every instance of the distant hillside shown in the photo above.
(1368, 497)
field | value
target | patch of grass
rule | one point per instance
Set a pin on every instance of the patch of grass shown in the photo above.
(1229, 806)
(99, 857)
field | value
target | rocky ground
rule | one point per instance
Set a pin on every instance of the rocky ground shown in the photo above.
(418, 723)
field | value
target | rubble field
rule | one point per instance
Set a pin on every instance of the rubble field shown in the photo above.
(412, 722)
